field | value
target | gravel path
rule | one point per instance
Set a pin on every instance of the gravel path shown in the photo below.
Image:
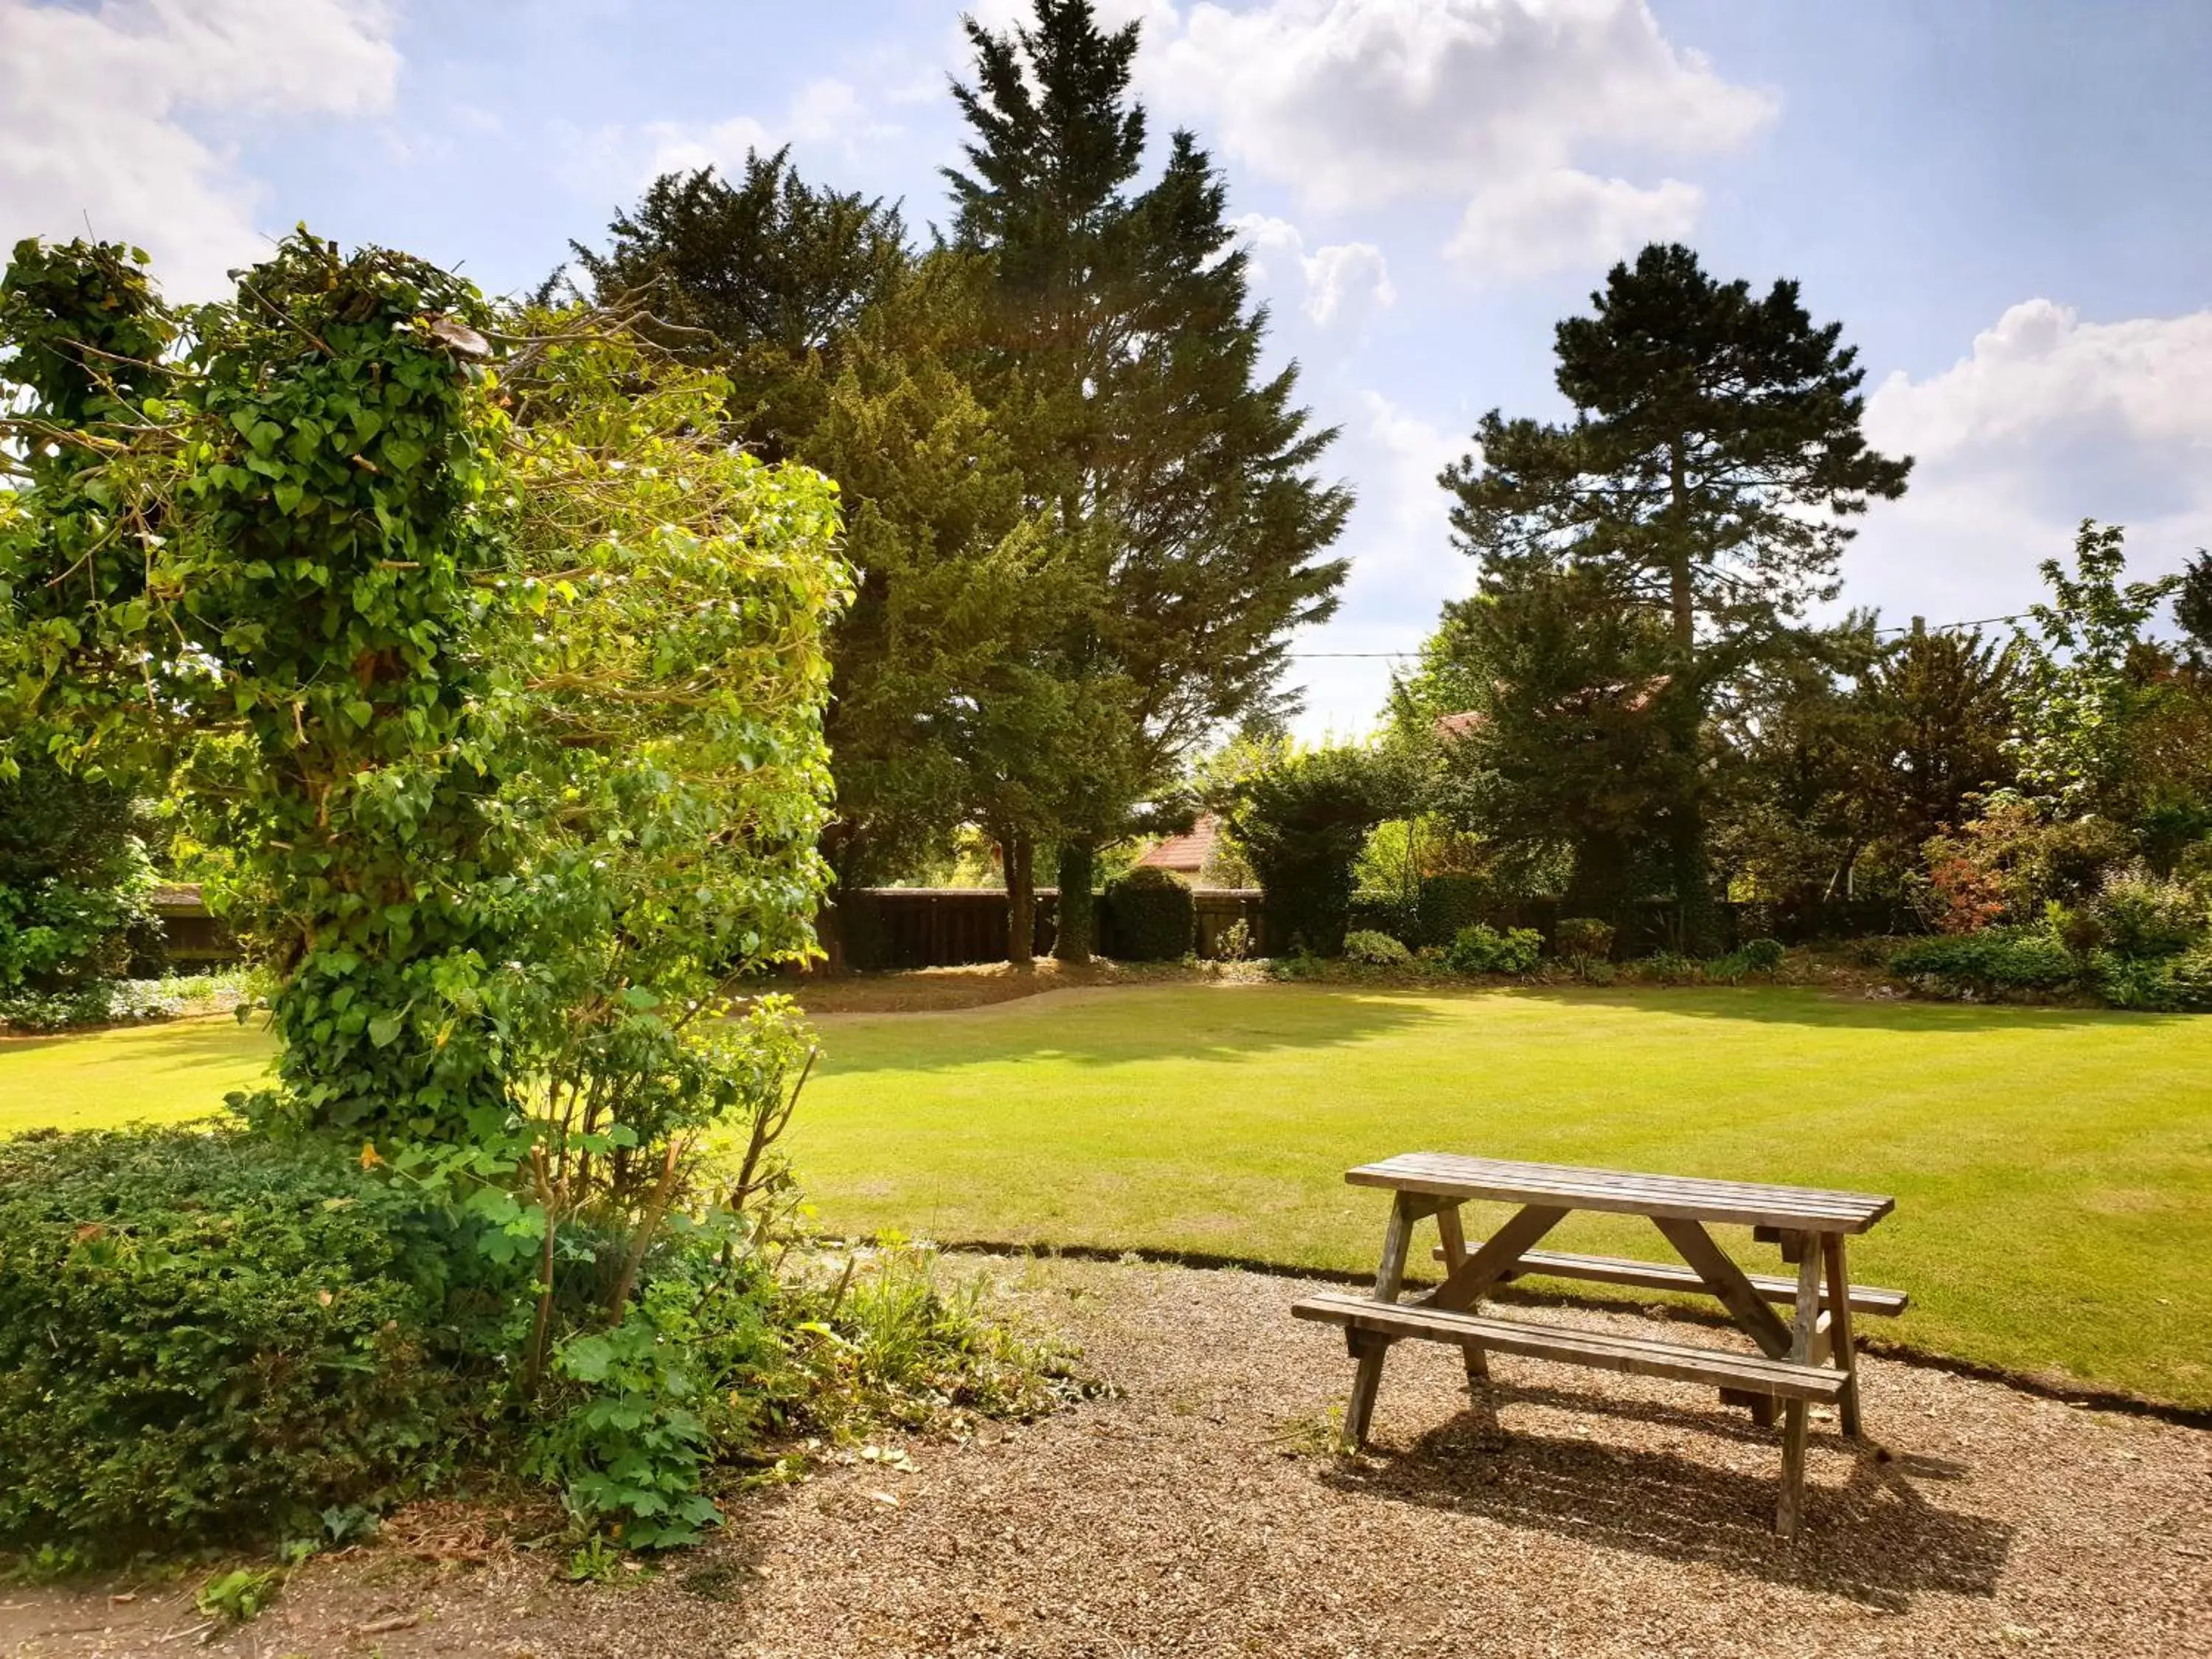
(1570, 1512)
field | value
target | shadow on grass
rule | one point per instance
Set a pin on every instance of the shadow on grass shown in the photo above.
(1123, 1027)
(1792, 1005)
(1877, 1539)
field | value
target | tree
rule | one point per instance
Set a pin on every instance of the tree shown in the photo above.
(1944, 709)
(1123, 355)
(2087, 695)
(1711, 468)
(2192, 608)
(1303, 820)
(764, 275)
(1546, 685)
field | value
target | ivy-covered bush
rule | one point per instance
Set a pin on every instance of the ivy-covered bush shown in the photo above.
(1155, 918)
(1447, 903)
(1483, 949)
(209, 1337)
(1375, 950)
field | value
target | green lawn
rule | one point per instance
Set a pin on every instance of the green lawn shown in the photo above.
(2052, 1168)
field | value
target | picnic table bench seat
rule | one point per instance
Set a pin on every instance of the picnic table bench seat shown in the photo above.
(1746, 1373)
(1809, 1358)
(1667, 1276)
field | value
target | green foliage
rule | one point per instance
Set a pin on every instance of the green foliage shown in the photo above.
(1155, 919)
(1702, 491)
(1375, 950)
(2167, 984)
(1122, 355)
(2014, 860)
(2085, 706)
(1448, 903)
(239, 1594)
(629, 1456)
(1582, 939)
(2138, 915)
(74, 883)
(1483, 949)
(1993, 962)
(211, 1336)
(1762, 956)
(1303, 822)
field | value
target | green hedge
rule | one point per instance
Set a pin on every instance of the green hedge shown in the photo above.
(1153, 915)
(1994, 960)
(207, 1337)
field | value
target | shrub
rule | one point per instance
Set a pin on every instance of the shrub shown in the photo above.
(1582, 939)
(1448, 903)
(1483, 950)
(207, 1337)
(1155, 919)
(1375, 950)
(1762, 956)
(2168, 984)
(1234, 943)
(2139, 916)
(1994, 960)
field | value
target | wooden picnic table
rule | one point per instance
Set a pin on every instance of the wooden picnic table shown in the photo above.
(1809, 1358)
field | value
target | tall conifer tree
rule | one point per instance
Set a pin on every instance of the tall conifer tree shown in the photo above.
(1125, 357)
(1711, 470)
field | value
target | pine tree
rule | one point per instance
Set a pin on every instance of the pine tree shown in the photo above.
(1712, 466)
(1124, 355)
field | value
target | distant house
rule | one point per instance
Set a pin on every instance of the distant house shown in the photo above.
(1188, 854)
(191, 935)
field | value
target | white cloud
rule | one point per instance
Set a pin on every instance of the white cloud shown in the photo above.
(824, 111)
(95, 108)
(2047, 421)
(1403, 565)
(1498, 103)
(1343, 282)
(1562, 218)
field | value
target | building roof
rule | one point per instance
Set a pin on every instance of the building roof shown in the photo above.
(1190, 851)
(180, 896)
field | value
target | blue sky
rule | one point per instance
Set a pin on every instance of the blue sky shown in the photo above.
(2004, 204)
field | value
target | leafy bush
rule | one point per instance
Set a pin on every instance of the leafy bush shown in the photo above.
(75, 884)
(1582, 939)
(1375, 950)
(1762, 956)
(1483, 950)
(1155, 919)
(2175, 984)
(1234, 943)
(1994, 960)
(2139, 916)
(206, 1337)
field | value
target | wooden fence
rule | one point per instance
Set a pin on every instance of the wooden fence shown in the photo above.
(947, 926)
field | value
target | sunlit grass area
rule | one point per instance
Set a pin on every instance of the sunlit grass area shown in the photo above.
(2053, 1167)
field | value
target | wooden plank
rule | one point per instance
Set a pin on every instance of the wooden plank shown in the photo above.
(1673, 1276)
(1842, 1350)
(1464, 1285)
(1367, 1375)
(1790, 1510)
(1750, 1204)
(1452, 1251)
(1726, 1281)
(1604, 1350)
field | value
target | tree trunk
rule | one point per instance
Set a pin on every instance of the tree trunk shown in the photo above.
(1018, 853)
(1078, 915)
(1686, 848)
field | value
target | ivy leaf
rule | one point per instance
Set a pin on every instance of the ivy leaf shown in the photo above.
(383, 1029)
(288, 494)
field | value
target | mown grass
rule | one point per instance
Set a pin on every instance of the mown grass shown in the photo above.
(2053, 1167)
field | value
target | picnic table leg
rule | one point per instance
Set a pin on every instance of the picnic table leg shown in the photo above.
(1367, 1377)
(1455, 1238)
(1840, 1347)
(1792, 1509)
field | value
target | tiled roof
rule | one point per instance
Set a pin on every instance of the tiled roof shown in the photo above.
(1186, 852)
(177, 896)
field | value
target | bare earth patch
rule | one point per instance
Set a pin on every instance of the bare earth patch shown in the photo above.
(1568, 1512)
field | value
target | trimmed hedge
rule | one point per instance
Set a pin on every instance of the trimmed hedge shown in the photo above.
(1993, 961)
(209, 1337)
(1153, 915)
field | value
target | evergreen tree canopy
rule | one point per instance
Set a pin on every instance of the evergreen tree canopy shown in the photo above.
(1124, 353)
(1712, 466)
(769, 261)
